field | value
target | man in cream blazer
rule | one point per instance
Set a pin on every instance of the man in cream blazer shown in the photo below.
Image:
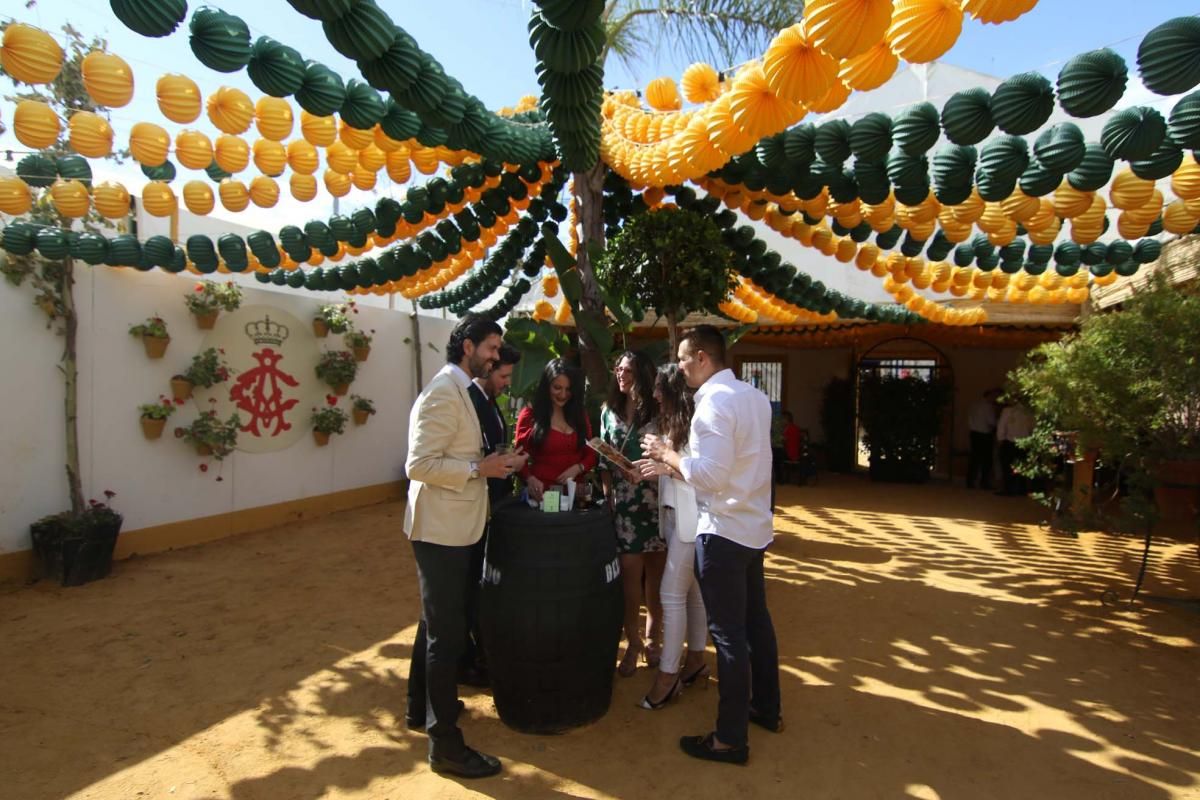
(445, 514)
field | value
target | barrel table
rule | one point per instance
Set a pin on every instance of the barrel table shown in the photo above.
(551, 609)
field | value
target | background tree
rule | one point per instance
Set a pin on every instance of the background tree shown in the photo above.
(671, 260)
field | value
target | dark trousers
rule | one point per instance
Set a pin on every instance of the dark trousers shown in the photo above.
(735, 596)
(980, 460)
(443, 573)
(1012, 482)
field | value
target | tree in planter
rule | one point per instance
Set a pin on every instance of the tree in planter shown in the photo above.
(672, 260)
(77, 548)
(337, 368)
(901, 420)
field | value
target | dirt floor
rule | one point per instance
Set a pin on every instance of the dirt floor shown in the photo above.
(934, 643)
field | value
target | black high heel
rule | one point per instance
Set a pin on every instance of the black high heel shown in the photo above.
(674, 691)
(700, 674)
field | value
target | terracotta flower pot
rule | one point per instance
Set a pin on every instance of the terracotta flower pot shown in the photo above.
(203, 449)
(360, 416)
(152, 428)
(361, 353)
(341, 389)
(207, 321)
(181, 388)
(320, 329)
(320, 438)
(155, 346)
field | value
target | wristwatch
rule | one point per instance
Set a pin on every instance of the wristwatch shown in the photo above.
(474, 469)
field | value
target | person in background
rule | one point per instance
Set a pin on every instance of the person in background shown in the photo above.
(1015, 424)
(444, 517)
(729, 468)
(793, 438)
(629, 413)
(981, 422)
(683, 607)
(554, 430)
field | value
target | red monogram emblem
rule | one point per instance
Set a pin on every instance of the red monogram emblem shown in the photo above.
(258, 392)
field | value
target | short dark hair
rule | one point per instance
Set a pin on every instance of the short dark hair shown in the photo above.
(509, 354)
(707, 338)
(475, 327)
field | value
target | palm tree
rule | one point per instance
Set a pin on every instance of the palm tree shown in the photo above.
(721, 31)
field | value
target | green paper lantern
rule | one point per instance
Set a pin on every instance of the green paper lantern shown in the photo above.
(262, 245)
(1094, 171)
(1184, 124)
(219, 41)
(916, 128)
(37, 170)
(1068, 253)
(967, 116)
(19, 238)
(399, 123)
(201, 251)
(92, 248)
(1126, 269)
(75, 168)
(397, 67)
(1147, 251)
(125, 250)
(1004, 159)
(233, 250)
(321, 91)
(1041, 253)
(799, 144)
(1133, 134)
(1034, 267)
(275, 68)
(1161, 163)
(1118, 251)
(1100, 269)
(164, 172)
(907, 170)
(1060, 147)
(563, 50)
(952, 195)
(994, 188)
(1023, 103)
(871, 137)
(52, 243)
(426, 91)
(572, 88)
(155, 18)
(832, 141)
(454, 104)
(323, 9)
(570, 15)
(159, 251)
(1092, 83)
(770, 152)
(363, 33)
(1094, 253)
(215, 173)
(293, 278)
(1169, 56)
(363, 107)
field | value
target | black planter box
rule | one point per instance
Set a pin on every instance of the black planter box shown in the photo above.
(72, 553)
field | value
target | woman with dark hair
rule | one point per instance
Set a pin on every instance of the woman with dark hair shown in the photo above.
(628, 414)
(554, 430)
(683, 607)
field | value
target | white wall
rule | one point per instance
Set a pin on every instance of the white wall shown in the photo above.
(159, 481)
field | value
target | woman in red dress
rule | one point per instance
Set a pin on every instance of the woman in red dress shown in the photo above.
(554, 430)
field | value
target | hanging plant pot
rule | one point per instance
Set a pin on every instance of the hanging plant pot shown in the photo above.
(341, 389)
(155, 346)
(181, 388)
(320, 438)
(152, 428)
(205, 322)
(203, 450)
(320, 329)
(360, 416)
(361, 353)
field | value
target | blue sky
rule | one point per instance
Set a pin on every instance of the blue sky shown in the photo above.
(483, 43)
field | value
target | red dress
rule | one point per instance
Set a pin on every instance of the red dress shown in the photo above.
(558, 453)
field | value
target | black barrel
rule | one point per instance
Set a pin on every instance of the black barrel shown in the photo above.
(551, 609)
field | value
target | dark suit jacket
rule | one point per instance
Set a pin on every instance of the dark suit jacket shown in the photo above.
(495, 432)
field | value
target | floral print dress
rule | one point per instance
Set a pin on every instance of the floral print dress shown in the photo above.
(635, 505)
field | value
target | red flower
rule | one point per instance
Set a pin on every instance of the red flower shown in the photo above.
(219, 479)
(179, 433)
(109, 494)
(221, 350)
(331, 399)
(204, 467)
(199, 287)
(178, 402)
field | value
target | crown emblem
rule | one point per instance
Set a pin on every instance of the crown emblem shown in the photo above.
(264, 331)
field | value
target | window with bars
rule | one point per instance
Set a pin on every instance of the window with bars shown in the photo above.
(767, 377)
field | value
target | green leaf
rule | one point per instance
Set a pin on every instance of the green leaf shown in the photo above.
(557, 251)
(596, 327)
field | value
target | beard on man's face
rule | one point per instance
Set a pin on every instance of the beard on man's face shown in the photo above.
(481, 367)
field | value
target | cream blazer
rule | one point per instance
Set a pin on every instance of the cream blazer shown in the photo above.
(445, 506)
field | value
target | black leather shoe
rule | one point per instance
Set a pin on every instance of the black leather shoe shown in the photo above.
(702, 747)
(466, 764)
(475, 677)
(415, 720)
(775, 725)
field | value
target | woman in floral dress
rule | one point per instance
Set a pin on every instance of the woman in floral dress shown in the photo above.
(628, 414)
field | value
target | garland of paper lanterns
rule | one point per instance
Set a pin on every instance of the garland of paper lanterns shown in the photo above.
(567, 40)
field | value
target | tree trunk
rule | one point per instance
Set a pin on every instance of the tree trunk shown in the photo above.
(71, 384)
(673, 334)
(589, 189)
(416, 339)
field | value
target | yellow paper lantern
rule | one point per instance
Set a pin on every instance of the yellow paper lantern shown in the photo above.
(30, 55)
(384, 142)
(303, 186)
(230, 110)
(90, 134)
(264, 191)
(149, 144)
(996, 11)
(796, 69)
(363, 179)
(232, 153)
(371, 158)
(178, 98)
(1129, 228)
(923, 30)
(870, 70)
(234, 196)
(663, 95)
(273, 116)
(107, 78)
(354, 138)
(70, 198)
(14, 196)
(198, 197)
(302, 157)
(318, 131)
(193, 149)
(701, 83)
(111, 200)
(341, 158)
(1148, 211)
(398, 167)
(1178, 219)
(1130, 191)
(1094, 216)
(1069, 202)
(1185, 183)
(269, 156)
(158, 199)
(425, 159)
(336, 183)
(833, 99)
(35, 124)
(847, 28)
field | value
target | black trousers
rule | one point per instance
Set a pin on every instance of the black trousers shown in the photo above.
(980, 460)
(1013, 483)
(444, 573)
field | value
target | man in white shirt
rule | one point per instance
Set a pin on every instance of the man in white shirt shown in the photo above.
(981, 422)
(730, 470)
(1015, 424)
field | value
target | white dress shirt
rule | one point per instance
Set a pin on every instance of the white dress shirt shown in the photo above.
(1015, 423)
(730, 462)
(982, 416)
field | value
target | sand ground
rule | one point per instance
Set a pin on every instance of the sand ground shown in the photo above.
(934, 643)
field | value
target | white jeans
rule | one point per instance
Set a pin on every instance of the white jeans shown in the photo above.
(683, 608)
